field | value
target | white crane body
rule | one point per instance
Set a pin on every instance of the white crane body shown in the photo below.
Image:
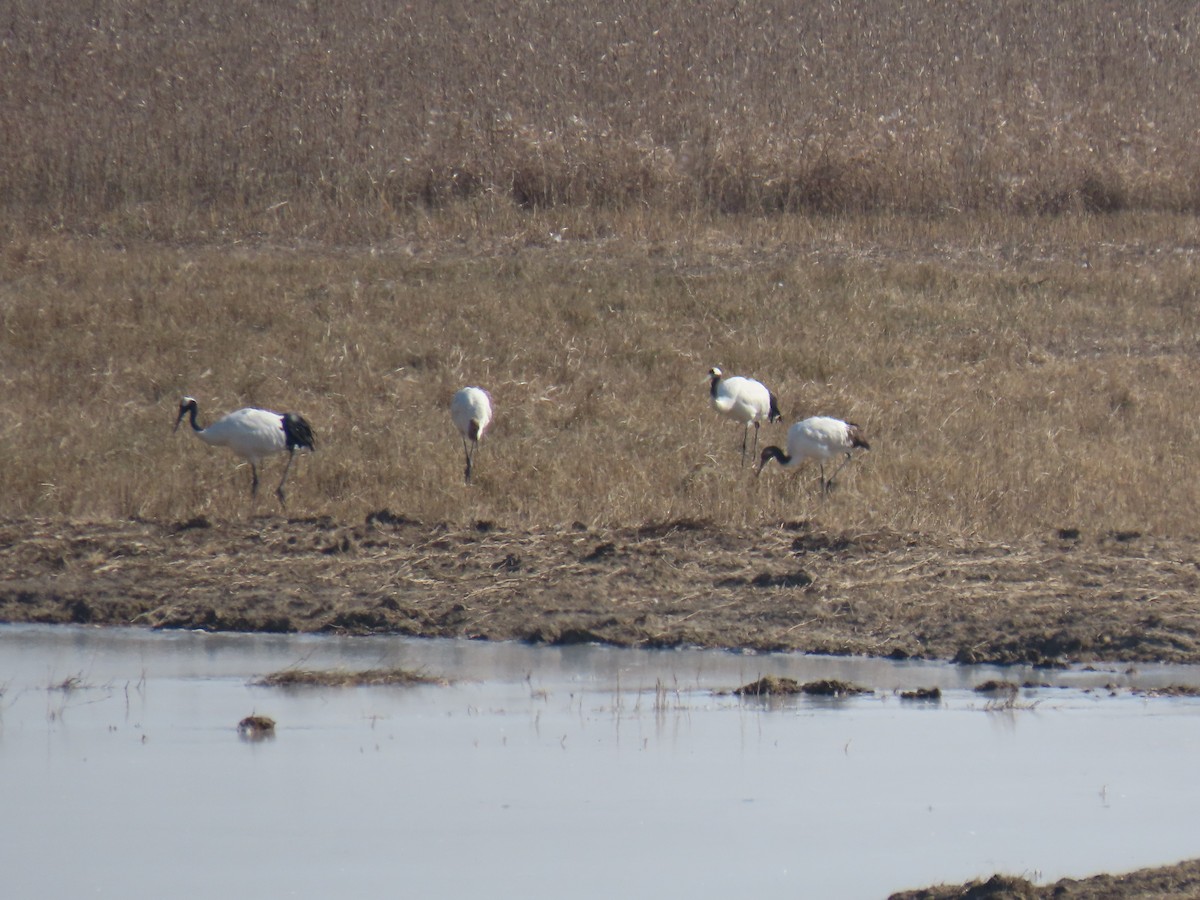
(471, 412)
(253, 434)
(821, 438)
(745, 401)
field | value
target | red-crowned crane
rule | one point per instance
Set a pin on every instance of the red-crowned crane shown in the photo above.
(746, 401)
(253, 434)
(471, 410)
(820, 438)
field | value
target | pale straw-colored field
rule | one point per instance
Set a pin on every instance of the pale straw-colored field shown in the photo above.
(969, 228)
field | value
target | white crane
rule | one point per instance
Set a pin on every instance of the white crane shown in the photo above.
(253, 434)
(820, 438)
(471, 410)
(746, 401)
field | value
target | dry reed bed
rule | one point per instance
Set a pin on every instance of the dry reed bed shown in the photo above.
(351, 121)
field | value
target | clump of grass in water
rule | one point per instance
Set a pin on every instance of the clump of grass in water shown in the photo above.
(345, 678)
(667, 698)
(256, 728)
(932, 694)
(68, 684)
(1171, 690)
(771, 685)
(997, 687)
(1004, 696)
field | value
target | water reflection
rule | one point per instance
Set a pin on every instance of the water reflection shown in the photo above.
(578, 771)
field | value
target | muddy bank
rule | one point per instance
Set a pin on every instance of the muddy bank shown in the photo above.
(1068, 597)
(1182, 880)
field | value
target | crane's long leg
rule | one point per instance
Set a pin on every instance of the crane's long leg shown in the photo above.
(467, 452)
(849, 459)
(845, 462)
(745, 435)
(286, 469)
(253, 479)
(754, 452)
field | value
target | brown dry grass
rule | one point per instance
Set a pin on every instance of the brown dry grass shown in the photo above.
(965, 227)
(1007, 389)
(353, 121)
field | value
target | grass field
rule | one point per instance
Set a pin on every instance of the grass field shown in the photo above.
(967, 227)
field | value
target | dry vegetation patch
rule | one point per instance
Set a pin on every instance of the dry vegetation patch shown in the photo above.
(346, 678)
(923, 695)
(353, 121)
(994, 409)
(774, 685)
(256, 727)
(1145, 884)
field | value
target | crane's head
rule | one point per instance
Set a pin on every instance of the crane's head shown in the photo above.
(768, 454)
(774, 415)
(186, 405)
(714, 374)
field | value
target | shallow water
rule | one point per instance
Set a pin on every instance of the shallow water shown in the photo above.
(551, 772)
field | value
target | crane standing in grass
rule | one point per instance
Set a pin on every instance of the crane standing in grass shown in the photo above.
(746, 401)
(820, 438)
(253, 434)
(471, 410)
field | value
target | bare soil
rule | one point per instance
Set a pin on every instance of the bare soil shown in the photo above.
(1061, 598)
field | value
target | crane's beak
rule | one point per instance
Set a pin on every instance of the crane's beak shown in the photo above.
(179, 418)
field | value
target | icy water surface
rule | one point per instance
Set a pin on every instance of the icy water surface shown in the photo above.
(565, 772)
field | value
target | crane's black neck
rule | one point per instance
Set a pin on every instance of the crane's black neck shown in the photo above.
(770, 453)
(191, 409)
(714, 381)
